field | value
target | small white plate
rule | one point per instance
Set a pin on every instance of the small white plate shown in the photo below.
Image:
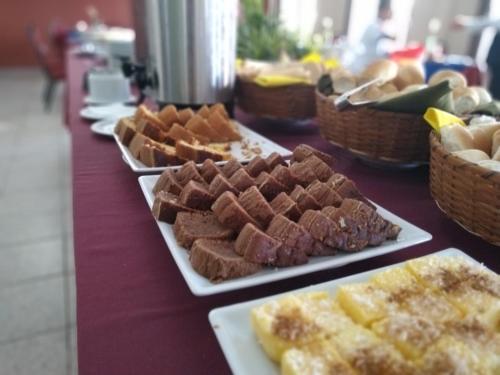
(231, 324)
(266, 145)
(115, 110)
(104, 127)
(410, 235)
(91, 101)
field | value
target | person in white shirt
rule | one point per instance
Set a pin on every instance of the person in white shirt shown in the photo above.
(476, 24)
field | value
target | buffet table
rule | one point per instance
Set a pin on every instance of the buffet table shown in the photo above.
(135, 313)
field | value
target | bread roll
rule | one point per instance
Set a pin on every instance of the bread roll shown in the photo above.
(484, 95)
(456, 79)
(495, 146)
(456, 138)
(494, 165)
(343, 80)
(465, 100)
(385, 70)
(370, 93)
(315, 71)
(482, 136)
(409, 74)
(473, 156)
(412, 88)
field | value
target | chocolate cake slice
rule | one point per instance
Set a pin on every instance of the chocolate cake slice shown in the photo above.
(187, 173)
(231, 167)
(256, 246)
(324, 194)
(217, 260)
(167, 182)
(303, 173)
(269, 186)
(355, 230)
(196, 196)
(324, 230)
(305, 201)
(256, 166)
(346, 188)
(303, 151)
(166, 206)
(319, 167)
(230, 213)
(297, 243)
(219, 185)
(209, 170)
(256, 205)
(275, 159)
(286, 206)
(241, 180)
(284, 176)
(190, 226)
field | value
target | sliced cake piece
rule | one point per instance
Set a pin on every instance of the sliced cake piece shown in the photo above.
(256, 166)
(190, 226)
(209, 170)
(303, 151)
(241, 180)
(219, 107)
(305, 201)
(256, 246)
(169, 115)
(166, 206)
(125, 129)
(143, 113)
(324, 195)
(151, 130)
(137, 143)
(285, 177)
(324, 230)
(167, 182)
(231, 167)
(357, 236)
(256, 205)
(297, 242)
(269, 186)
(220, 185)
(286, 206)
(199, 153)
(303, 173)
(179, 133)
(185, 115)
(196, 196)
(224, 127)
(199, 125)
(319, 167)
(230, 213)
(187, 173)
(204, 111)
(154, 154)
(346, 188)
(217, 260)
(275, 159)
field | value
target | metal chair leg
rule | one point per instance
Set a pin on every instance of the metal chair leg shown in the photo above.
(48, 94)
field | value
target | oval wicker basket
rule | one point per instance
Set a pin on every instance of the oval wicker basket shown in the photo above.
(466, 192)
(285, 102)
(390, 137)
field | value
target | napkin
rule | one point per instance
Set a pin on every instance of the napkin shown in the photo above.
(279, 80)
(438, 119)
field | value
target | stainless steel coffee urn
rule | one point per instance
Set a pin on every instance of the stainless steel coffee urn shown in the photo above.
(188, 49)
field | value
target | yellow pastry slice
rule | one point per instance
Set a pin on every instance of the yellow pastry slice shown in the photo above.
(318, 358)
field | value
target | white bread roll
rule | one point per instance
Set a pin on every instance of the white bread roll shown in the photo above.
(456, 138)
(412, 88)
(370, 93)
(343, 80)
(494, 165)
(315, 70)
(456, 79)
(484, 95)
(411, 73)
(385, 70)
(482, 136)
(495, 146)
(465, 100)
(473, 156)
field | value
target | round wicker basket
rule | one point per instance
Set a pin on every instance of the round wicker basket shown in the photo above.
(466, 192)
(390, 137)
(285, 102)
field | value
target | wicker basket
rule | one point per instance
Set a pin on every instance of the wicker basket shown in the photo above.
(381, 136)
(466, 192)
(286, 102)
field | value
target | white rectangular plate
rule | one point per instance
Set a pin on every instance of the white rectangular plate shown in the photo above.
(254, 139)
(410, 235)
(231, 324)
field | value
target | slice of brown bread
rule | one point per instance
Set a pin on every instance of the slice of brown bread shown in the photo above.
(125, 129)
(190, 226)
(196, 196)
(217, 260)
(167, 182)
(168, 115)
(166, 206)
(199, 153)
(230, 213)
(256, 246)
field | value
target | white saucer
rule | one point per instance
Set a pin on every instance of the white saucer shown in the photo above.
(91, 101)
(104, 127)
(115, 110)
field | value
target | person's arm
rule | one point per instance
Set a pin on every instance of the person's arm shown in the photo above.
(476, 23)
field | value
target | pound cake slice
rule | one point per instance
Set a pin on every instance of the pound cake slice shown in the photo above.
(217, 260)
(256, 205)
(196, 196)
(143, 113)
(256, 246)
(230, 213)
(199, 125)
(303, 151)
(166, 206)
(125, 129)
(167, 182)
(169, 115)
(224, 127)
(190, 226)
(154, 154)
(256, 166)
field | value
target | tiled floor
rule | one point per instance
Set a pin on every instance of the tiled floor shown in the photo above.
(37, 323)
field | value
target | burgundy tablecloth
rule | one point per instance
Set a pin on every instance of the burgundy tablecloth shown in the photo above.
(135, 314)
